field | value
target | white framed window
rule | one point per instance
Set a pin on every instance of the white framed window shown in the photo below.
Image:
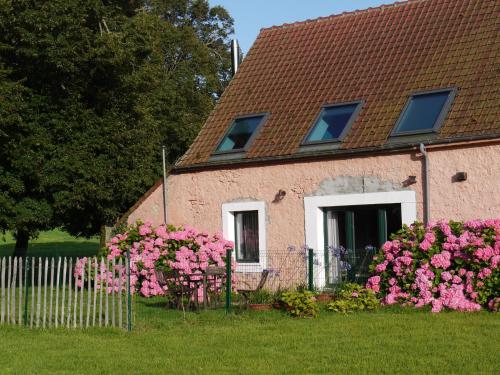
(244, 223)
(315, 209)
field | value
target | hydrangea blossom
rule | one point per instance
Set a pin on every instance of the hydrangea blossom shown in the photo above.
(184, 250)
(444, 265)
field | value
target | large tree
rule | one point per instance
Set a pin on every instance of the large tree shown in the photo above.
(89, 91)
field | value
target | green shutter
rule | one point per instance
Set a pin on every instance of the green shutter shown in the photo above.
(349, 230)
(382, 226)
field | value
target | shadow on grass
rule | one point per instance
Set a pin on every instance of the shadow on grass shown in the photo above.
(55, 249)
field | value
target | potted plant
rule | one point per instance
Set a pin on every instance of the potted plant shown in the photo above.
(260, 301)
(324, 297)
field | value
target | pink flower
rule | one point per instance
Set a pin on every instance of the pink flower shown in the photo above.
(381, 267)
(425, 245)
(441, 260)
(446, 276)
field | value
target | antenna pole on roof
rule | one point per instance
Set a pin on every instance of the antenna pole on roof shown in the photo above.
(235, 58)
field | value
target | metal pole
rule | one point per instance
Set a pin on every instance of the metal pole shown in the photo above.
(129, 302)
(26, 289)
(228, 281)
(164, 185)
(235, 58)
(310, 274)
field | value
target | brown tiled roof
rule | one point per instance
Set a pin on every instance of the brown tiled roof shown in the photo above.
(379, 55)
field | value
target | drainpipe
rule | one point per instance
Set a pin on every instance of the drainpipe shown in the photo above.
(164, 186)
(426, 188)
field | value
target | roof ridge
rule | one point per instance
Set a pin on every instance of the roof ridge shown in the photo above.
(343, 14)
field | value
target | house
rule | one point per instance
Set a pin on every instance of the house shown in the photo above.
(338, 130)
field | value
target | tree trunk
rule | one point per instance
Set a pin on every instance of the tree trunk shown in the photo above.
(21, 249)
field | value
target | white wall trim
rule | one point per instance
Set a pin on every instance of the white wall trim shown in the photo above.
(228, 210)
(313, 208)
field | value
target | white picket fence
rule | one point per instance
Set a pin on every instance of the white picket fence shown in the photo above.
(45, 293)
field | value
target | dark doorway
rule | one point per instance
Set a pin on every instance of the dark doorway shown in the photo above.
(352, 236)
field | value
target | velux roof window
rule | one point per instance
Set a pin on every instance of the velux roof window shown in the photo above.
(333, 123)
(241, 134)
(424, 112)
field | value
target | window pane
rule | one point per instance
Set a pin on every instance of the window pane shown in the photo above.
(331, 123)
(423, 112)
(240, 132)
(247, 236)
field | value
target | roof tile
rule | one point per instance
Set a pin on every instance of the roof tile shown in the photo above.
(379, 55)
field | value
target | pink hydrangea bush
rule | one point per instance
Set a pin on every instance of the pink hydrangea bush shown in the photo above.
(184, 250)
(450, 265)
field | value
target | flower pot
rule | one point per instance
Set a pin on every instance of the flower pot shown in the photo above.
(260, 306)
(324, 298)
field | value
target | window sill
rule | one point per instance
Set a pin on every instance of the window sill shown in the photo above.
(411, 138)
(325, 146)
(227, 156)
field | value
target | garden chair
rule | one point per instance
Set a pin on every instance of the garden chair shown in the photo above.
(215, 273)
(246, 292)
(176, 288)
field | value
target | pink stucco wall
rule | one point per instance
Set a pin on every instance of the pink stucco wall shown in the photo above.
(196, 198)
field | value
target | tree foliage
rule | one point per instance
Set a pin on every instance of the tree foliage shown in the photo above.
(89, 91)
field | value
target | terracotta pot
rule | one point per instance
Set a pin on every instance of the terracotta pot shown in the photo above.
(260, 306)
(324, 298)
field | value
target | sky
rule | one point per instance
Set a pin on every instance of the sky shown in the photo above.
(252, 15)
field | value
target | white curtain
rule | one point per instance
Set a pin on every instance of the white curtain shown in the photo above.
(332, 222)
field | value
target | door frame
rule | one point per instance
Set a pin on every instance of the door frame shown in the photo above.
(314, 219)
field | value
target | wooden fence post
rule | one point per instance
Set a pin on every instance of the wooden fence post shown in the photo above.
(2, 297)
(57, 291)
(13, 290)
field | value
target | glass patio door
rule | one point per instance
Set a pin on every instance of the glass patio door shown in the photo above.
(352, 236)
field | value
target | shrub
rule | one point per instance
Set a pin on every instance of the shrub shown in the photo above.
(261, 297)
(184, 249)
(353, 297)
(300, 303)
(446, 264)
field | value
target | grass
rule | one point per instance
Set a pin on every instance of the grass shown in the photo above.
(53, 243)
(387, 341)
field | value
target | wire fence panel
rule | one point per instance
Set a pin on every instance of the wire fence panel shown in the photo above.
(283, 269)
(63, 292)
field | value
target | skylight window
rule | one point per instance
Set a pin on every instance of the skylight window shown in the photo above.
(333, 123)
(241, 134)
(424, 112)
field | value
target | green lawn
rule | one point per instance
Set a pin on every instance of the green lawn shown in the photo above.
(53, 243)
(388, 341)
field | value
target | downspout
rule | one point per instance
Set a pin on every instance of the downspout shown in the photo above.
(164, 186)
(426, 188)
